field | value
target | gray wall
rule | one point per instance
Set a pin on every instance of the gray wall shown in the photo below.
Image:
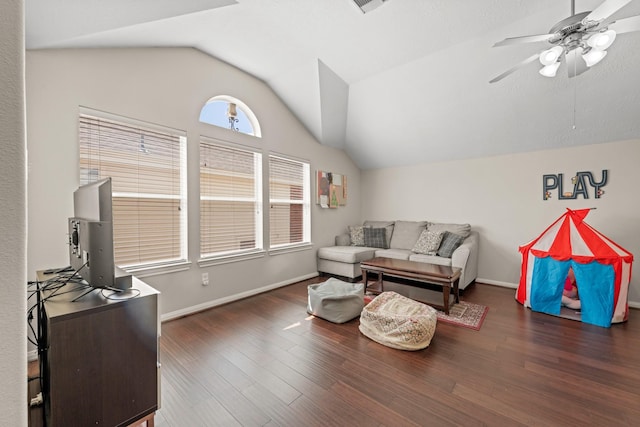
(13, 363)
(168, 87)
(501, 197)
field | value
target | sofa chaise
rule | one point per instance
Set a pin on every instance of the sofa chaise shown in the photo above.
(454, 245)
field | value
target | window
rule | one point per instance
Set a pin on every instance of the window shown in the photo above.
(230, 200)
(147, 167)
(230, 113)
(289, 207)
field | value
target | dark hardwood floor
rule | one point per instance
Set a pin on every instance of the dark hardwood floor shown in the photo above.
(263, 361)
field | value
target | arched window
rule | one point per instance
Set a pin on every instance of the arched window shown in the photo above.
(230, 113)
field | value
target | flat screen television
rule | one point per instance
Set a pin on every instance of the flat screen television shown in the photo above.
(91, 237)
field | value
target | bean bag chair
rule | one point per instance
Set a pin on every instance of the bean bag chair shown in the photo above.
(398, 322)
(335, 300)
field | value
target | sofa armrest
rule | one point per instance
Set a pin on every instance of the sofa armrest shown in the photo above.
(343, 240)
(466, 258)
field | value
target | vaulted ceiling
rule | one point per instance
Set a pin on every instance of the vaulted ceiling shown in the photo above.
(405, 83)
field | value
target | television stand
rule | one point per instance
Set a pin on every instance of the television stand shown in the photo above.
(99, 357)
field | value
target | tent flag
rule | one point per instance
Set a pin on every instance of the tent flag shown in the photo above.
(602, 270)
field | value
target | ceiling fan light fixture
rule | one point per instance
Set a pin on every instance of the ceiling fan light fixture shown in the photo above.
(550, 70)
(550, 56)
(603, 40)
(593, 56)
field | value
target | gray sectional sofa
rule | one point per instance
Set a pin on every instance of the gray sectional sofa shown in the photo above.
(454, 245)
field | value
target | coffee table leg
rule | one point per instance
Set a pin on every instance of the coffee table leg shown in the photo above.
(456, 290)
(365, 278)
(445, 293)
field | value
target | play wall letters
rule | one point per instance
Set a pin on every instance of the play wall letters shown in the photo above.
(582, 181)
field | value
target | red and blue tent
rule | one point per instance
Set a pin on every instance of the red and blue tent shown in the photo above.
(602, 269)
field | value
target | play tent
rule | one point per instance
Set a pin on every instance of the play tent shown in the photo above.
(602, 270)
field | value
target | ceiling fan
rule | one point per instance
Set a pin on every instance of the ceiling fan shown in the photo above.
(581, 38)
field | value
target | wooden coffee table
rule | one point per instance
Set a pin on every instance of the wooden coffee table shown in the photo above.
(433, 274)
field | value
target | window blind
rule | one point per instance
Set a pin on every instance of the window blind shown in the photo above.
(147, 167)
(289, 194)
(230, 200)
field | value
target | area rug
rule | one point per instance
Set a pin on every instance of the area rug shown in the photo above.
(465, 314)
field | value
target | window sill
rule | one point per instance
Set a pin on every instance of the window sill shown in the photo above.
(226, 259)
(290, 248)
(156, 270)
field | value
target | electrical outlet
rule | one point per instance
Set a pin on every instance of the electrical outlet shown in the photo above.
(205, 279)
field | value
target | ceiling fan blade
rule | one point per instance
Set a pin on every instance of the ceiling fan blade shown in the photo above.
(575, 62)
(524, 39)
(606, 9)
(626, 25)
(515, 68)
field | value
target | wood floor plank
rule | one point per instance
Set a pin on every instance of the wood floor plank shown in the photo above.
(263, 361)
(383, 415)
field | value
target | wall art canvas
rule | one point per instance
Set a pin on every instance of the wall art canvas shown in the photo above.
(331, 189)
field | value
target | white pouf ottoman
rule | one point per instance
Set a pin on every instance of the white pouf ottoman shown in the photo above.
(398, 322)
(335, 300)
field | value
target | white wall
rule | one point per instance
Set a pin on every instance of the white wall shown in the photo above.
(501, 197)
(168, 87)
(13, 361)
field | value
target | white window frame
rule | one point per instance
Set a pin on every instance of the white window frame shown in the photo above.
(94, 164)
(237, 253)
(305, 203)
(240, 106)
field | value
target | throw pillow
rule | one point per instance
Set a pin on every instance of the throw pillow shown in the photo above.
(450, 242)
(356, 234)
(375, 238)
(406, 233)
(428, 243)
(387, 225)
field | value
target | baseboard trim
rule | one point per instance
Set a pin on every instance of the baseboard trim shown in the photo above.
(220, 301)
(32, 355)
(497, 283)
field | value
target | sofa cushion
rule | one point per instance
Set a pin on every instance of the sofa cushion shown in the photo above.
(428, 242)
(347, 254)
(375, 237)
(343, 240)
(393, 253)
(387, 225)
(450, 242)
(461, 229)
(406, 234)
(431, 259)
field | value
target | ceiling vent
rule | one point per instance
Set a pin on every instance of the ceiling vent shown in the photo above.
(368, 5)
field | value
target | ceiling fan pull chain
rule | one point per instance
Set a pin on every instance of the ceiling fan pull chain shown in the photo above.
(575, 101)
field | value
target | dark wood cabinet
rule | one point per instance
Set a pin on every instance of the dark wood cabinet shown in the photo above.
(99, 364)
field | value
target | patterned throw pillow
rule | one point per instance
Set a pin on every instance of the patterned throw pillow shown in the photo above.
(428, 243)
(450, 242)
(375, 238)
(357, 235)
